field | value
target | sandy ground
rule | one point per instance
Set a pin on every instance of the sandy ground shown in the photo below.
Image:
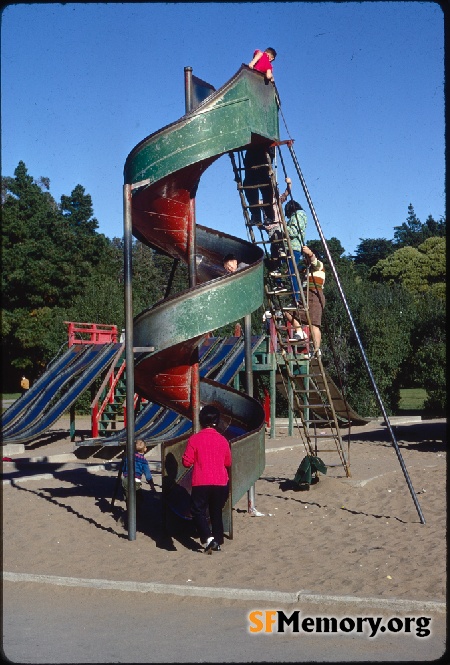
(353, 536)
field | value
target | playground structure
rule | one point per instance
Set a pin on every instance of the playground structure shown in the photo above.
(92, 349)
(161, 178)
(162, 174)
(168, 346)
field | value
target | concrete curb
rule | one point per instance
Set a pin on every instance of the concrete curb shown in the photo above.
(230, 593)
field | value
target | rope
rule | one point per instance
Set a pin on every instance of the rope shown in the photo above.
(278, 101)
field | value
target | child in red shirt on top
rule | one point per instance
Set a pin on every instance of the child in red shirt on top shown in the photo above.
(262, 62)
(210, 455)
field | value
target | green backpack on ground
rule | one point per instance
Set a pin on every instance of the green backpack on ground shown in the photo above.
(308, 466)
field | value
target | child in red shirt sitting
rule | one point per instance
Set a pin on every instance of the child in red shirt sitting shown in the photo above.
(262, 62)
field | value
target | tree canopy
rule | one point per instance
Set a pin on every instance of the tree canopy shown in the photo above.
(419, 269)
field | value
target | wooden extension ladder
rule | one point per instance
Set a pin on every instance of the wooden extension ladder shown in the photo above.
(300, 371)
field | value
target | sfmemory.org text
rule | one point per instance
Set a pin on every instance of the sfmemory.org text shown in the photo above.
(277, 621)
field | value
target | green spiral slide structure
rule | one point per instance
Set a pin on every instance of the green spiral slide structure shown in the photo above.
(164, 172)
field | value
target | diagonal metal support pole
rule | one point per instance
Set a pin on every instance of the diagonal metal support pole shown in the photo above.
(352, 323)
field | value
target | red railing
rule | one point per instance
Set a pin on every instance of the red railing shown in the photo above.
(96, 411)
(91, 333)
(112, 380)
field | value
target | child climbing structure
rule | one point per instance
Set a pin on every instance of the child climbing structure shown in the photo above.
(162, 174)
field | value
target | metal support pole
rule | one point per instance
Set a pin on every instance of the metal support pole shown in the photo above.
(129, 360)
(352, 323)
(72, 422)
(290, 365)
(273, 396)
(249, 386)
(192, 268)
(248, 354)
(188, 88)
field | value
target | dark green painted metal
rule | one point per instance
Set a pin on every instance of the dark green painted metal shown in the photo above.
(225, 121)
(200, 310)
(248, 450)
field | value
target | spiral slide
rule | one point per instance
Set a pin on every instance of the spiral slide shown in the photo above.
(163, 172)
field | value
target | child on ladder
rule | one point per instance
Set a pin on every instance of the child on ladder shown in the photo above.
(313, 282)
(296, 222)
(274, 230)
(257, 180)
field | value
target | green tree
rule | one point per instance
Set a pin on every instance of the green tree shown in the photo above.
(383, 316)
(48, 258)
(370, 251)
(410, 233)
(334, 246)
(425, 365)
(435, 229)
(418, 269)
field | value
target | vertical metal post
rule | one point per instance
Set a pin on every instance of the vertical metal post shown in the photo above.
(273, 396)
(290, 365)
(129, 360)
(192, 267)
(192, 245)
(249, 386)
(188, 88)
(72, 422)
(195, 392)
(248, 354)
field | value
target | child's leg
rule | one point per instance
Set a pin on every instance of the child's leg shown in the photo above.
(217, 499)
(199, 504)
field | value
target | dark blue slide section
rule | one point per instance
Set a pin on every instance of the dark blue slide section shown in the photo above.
(229, 369)
(53, 370)
(155, 422)
(45, 396)
(98, 358)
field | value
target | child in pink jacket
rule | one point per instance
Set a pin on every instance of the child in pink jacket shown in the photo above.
(208, 452)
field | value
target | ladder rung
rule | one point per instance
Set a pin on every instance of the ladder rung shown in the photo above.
(316, 406)
(328, 450)
(263, 184)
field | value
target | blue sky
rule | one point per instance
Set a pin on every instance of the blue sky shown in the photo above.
(361, 88)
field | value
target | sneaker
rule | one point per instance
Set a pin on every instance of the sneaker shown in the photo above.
(275, 273)
(282, 254)
(211, 546)
(292, 306)
(279, 289)
(297, 337)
